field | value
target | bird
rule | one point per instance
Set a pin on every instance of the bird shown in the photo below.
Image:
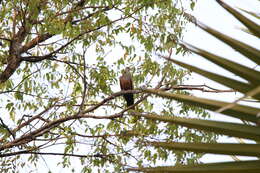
(126, 83)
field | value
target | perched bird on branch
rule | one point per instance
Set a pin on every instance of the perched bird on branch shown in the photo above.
(126, 83)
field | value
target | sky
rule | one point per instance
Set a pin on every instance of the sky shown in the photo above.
(211, 14)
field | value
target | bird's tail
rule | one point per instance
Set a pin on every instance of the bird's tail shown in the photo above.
(129, 99)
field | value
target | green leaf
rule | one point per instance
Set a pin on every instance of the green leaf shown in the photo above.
(192, 5)
(18, 96)
(252, 166)
(234, 84)
(225, 128)
(238, 111)
(248, 51)
(256, 15)
(252, 26)
(219, 148)
(237, 69)
(9, 106)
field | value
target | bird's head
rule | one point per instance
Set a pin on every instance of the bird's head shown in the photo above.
(126, 70)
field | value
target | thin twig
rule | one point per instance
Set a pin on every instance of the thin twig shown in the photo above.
(7, 128)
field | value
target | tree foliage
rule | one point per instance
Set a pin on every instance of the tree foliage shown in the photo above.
(59, 67)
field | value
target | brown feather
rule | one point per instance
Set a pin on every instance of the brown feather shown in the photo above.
(126, 83)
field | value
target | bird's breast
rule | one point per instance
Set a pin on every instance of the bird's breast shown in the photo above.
(125, 83)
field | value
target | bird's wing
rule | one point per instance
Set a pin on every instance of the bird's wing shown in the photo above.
(125, 83)
(121, 82)
(131, 83)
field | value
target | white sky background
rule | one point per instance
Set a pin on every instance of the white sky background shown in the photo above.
(211, 14)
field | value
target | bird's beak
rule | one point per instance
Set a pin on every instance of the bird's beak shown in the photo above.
(131, 68)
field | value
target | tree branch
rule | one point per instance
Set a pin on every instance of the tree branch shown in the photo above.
(36, 41)
(7, 128)
(51, 54)
(54, 154)
(84, 114)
